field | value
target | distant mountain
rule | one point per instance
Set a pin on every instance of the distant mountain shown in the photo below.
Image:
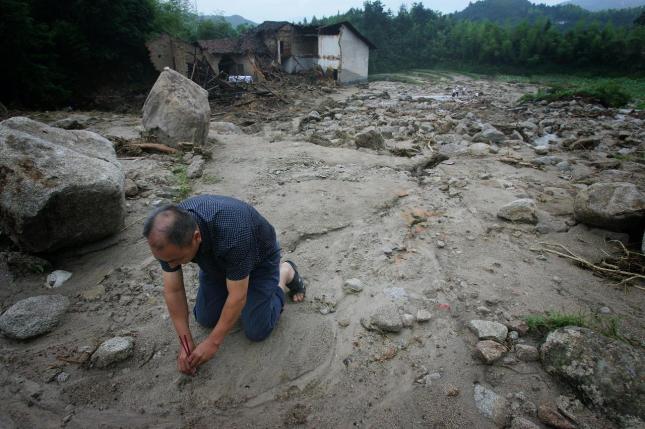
(596, 5)
(234, 20)
(562, 15)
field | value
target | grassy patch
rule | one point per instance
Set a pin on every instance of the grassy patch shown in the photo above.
(542, 324)
(554, 320)
(181, 179)
(609, 94)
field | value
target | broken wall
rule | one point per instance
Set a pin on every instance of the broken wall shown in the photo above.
(329, 51)
(355, 56)
(166, 51)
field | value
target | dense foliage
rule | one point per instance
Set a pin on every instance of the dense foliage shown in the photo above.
(61, 52)
(419, 38)
(564, 16)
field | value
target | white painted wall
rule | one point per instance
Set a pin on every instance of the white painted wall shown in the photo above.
(329, 51)
(355, 57)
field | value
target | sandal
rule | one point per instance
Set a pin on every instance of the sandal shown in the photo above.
(296, 285)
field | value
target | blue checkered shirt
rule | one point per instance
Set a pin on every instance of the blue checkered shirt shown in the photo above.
(235, 237)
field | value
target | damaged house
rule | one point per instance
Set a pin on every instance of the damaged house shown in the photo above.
(338, 49)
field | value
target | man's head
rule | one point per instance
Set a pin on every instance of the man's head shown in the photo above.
(172, 234)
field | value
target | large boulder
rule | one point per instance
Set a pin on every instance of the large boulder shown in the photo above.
(177, 110)
(615, 206)
(33, 316)
(606, 373)
(58, 188)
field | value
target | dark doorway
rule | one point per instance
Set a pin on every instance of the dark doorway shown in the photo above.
(227, 65)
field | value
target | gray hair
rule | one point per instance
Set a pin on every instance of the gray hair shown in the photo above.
(179, 230)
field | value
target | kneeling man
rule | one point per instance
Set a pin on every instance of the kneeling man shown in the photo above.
(240, 271)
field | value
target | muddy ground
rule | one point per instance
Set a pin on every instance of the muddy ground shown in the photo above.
(420, 235)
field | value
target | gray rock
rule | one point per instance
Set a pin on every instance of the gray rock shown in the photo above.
(604, 372)
(522, 211)
(615, 206)
(50, 176)
(527, 353)
(386, 318)
(33, 316)
(370, 139)
(479, 149)
(541, 150)
(491, 405)
(353, 286)
(112, 351)
(487, 330)
(313, 116)
(177, 110)
(130, 188)
(407, 320)
(489, 134)
(489, 351)
(547, 160)
(217, 127)
(196, 167)
(423, 316)
(522, 423)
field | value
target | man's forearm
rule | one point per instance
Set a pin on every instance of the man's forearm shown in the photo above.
(178, 310)
(230, 313)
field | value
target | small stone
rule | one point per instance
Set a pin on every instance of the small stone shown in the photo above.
(423, 316)
(62, 377)
(526, 353)
(353, 286)
(452, 391)
(441, 244)
(113, 350)
(483, 310)
(33, 316)
(541, 150)
(343, 323)
(513, 336)
(486, 330)
(313, 116)
(387, 250)
(489, 351)
(522, 210)
(130, 189)
(407, 320)
(479, 149)
(386, 318)
(518, 326)
(550, 416)
(604, 310)
(491, 405)
(196, 167)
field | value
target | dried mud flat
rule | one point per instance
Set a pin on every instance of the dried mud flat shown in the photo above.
(418, 232)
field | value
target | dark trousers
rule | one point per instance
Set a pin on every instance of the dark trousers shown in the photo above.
(264, 299)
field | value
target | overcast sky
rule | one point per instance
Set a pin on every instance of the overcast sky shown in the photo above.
(295, 10)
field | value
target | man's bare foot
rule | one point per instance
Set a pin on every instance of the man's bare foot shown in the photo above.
(288, 275)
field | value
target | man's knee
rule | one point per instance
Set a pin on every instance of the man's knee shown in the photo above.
(257, 333)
